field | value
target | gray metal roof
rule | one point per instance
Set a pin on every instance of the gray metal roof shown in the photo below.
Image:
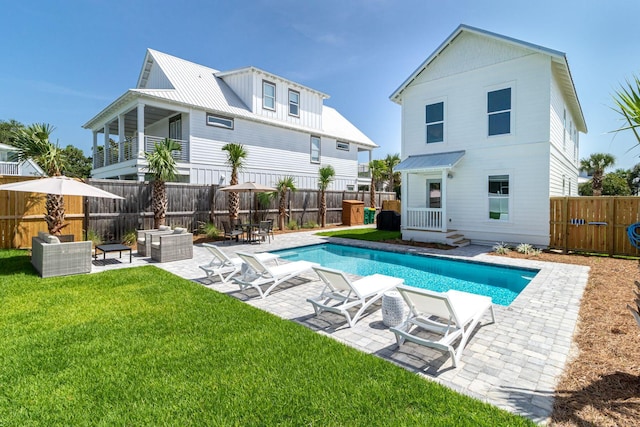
(435, 161)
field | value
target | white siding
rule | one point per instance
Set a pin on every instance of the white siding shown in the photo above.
(242, 85)
(157, 79)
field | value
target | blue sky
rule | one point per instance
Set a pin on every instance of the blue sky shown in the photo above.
(64, 61)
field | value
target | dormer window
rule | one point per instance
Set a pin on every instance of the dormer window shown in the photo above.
(294, 103)
(268, 95)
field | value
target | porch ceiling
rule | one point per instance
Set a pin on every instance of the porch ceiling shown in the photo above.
(151, 115)
(436, 161)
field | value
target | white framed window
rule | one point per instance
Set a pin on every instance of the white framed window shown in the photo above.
(268, 95)
(434, 193)
(219, 121)
(498, 186)
(175, 127)
(344, 146)
(315, 149)
(499, 111)
(294, 103)
(434, 119)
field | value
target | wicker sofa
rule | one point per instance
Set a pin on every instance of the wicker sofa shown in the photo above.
(52, 258)
(171, 247)
(144, 238)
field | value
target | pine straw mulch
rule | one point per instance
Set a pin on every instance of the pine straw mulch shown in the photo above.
(601, 385)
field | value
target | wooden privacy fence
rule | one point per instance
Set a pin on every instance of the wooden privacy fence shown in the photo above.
(22, 214)
(593, 224)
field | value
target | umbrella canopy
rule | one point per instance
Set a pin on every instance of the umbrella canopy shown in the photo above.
(61, 185)
(249, 187)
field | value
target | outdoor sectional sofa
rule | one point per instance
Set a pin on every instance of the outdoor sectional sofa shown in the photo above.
(52, 258)
(171, 247)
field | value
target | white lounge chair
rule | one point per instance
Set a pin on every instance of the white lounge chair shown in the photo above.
(269, 275)
(225, 267)
(451, 315)
(340, 294)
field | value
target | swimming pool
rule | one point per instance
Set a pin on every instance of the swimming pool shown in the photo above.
(501, 283)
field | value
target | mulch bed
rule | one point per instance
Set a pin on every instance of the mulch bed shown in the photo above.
(601, 384)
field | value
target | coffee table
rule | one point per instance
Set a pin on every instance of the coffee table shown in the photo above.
(113, 247)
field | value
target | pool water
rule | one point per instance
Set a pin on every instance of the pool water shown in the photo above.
(501, 283)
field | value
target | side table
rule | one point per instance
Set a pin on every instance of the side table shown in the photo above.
(394, 308)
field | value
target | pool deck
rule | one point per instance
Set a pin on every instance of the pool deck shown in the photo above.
(514, 363)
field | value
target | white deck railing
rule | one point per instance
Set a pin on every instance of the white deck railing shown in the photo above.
(423, 219)
(132, 150)
(9, 168)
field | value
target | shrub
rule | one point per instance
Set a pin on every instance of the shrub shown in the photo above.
(129, 237)
(310, 224)
(209, 229)
(292, 225)
(527, 249)
(94, 237)
(501, 248)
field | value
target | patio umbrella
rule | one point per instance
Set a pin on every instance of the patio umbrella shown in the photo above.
(60, 185)
(249, 187)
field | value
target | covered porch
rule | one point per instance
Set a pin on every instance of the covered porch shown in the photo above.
(424, 189)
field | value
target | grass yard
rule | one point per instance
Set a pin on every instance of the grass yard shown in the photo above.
(369, 234)
(141, 346)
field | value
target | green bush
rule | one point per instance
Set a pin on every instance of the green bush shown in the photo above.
(129, 238)
(209, 229)
(94, 237)
(292, 225)
(310, 224)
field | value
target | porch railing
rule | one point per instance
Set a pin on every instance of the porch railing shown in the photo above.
(132, 150)
(423, 219)
(9, 168)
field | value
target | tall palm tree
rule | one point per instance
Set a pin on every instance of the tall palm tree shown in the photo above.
(33, 143)
(162, 166)
(391, 161)
(595, 165)
(627, 103)
(282, 188)
(326, 175)
(236, 154)
(377, 171)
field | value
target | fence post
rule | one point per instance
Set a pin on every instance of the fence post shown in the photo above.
(611, 235)
(565, 220)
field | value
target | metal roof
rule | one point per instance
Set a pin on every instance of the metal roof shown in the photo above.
(199, 86)
(559, 61)
(435, 161)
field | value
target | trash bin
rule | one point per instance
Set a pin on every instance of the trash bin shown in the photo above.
(369, 215)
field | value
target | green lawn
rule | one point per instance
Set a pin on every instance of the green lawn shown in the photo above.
(141, 346)
(370, 234)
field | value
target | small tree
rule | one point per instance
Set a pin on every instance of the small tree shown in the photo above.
(282, 188)
(595, 165)
(326, 175)
(377, 171)
(33, 142)
(236, 154)
(162, 167)
(391, 161)
(627, 104)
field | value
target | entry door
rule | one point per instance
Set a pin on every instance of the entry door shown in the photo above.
(434, 193)
(175, 127)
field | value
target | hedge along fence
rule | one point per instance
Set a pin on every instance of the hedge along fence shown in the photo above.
(189, 205)
(593, 224)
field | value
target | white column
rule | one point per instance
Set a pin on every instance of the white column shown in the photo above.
(94, 152)
(106, 144)
(443, 201)
(404, 191)
(121, 137)
(140, 133)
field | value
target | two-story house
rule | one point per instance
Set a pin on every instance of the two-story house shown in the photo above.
(284, 126)
(11, 167)
(490, 130)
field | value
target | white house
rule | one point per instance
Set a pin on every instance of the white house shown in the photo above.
(490, 130)
(9, 166)
(284, 126)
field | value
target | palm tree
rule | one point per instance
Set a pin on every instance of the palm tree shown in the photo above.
(162, 166)
(326, 175)
(377, 171)
(33, 143)
(595, 165)
(282, 187)
(627, 101)
(391, 161)
(236, 154)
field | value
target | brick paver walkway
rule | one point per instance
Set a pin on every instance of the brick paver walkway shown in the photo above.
(514, 363)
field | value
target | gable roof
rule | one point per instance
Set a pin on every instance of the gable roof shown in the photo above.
(559, 61)
(194, 85)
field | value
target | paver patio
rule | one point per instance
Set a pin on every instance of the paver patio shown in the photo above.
(514, 363)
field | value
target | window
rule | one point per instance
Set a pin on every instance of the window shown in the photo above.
(435, 122)
(175, 127)
(499, 110)
(499, 197)
(315, 149)
(434, 194)
(268, 95)
(294, 103)
(342, 146)
(219, 121)
(564, 130)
